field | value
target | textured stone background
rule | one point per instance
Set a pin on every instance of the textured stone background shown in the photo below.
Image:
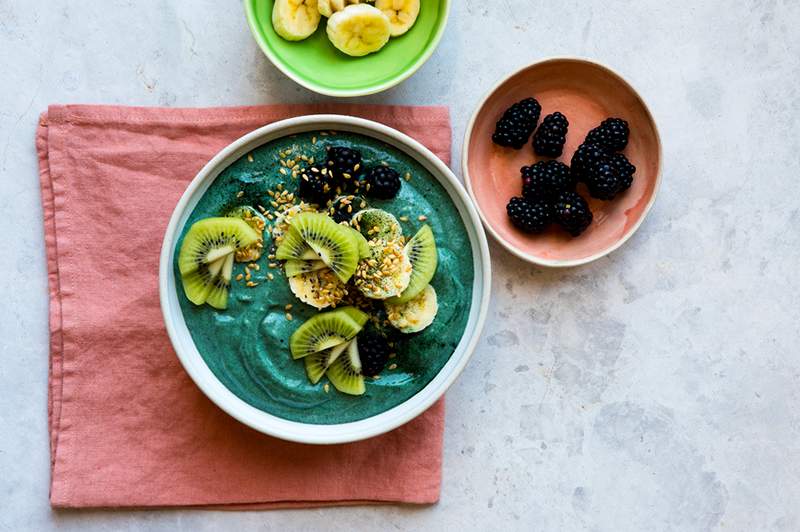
(656, 389)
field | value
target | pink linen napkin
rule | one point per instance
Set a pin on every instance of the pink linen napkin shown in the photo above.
(127, 425)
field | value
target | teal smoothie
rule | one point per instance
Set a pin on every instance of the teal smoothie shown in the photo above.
(246, 345)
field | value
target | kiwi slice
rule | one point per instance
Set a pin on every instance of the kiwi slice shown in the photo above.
(323, 331)
(197, 284)
(218, 296)
(334, 243)
(211, 239)
(345, 372)
(355, 314)
(294, 247)
(318, 363)
(377, 223)
(363, 245)
(296, 267)
(421, 250)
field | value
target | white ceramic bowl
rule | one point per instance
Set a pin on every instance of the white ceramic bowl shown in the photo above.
(304, 432)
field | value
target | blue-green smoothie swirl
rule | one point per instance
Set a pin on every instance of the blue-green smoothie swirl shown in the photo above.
(246, 346)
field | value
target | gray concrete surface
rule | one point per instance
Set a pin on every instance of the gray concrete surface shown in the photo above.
(657, 389)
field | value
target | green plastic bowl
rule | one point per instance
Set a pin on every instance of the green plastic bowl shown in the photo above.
(315, 64)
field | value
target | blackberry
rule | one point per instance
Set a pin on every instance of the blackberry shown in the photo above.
(529, 216)
(624, 169)
(585, 157)
(317, 185)
(611, 133)
(549, 139)
(603, 180)
(517, 124)
(382, 182)
(345, 164)
(572, 213)
(373, 350)
(546, 179)
(342, 208)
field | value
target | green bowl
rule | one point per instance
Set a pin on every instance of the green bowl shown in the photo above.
(315, 64)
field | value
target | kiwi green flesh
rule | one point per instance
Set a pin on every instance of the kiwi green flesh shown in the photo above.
(318, 363)
(292, 246)
(345, 372)
(197, 284)
(323, 331)
(218, 296)
(421, 251)
(212, 238)
(295, 267)
(357, 315)
(334, 243)
(377, 223)
(363, 245)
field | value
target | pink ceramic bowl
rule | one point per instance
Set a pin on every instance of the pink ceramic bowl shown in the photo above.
(586, 93)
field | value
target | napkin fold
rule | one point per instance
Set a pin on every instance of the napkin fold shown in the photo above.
(128, 428)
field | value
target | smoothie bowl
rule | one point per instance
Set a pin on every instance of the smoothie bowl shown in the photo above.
(324, 279)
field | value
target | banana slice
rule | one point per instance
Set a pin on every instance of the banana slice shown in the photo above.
(359, 29)
(295, 20)
(402, 14)
(386, 272)
(320, 288)
(416, 314)
(329, 7)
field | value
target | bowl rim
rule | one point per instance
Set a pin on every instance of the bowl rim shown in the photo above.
(249, 6)
(296, 431)
(533, 259)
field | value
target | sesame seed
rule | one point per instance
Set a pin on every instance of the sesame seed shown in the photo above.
(250, 157)
(326, 387)
(239, 277)
(422, 218)
(251, 284)
(313, 140)
(240, 194)
(288, 306)
(392, 366)
(289, 316)
(403, 218)
(271, 277)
